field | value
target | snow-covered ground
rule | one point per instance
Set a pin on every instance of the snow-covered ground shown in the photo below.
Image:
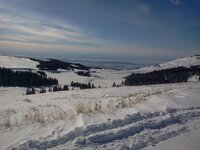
(99, 118)
(159, 117)
(100, 77)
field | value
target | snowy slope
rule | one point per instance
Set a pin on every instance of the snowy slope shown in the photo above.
(17, 62)
(50, 120)
(182, 62)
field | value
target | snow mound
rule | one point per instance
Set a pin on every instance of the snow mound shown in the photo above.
(17, 62)
(193, 78)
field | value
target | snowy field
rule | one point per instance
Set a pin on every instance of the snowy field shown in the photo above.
(159, 117)
(99, 118)
(100, 77)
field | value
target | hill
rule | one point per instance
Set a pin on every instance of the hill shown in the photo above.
(25, 63)
(181, 62)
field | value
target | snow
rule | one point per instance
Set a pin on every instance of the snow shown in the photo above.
(182, 62)
(106, 77)
(193, 78)
(164, 116)
(134, 132)
(100, 77)
(184, 141)
(17, 62)
(167, 103)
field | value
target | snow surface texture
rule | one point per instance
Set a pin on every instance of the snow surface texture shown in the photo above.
(50, 121)
(133, 132)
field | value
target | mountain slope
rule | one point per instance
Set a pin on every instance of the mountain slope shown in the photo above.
(21, 62)
(181, 62)
(17, 62)
(37, 64)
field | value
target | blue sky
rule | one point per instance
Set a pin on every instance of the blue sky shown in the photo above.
(141, 31)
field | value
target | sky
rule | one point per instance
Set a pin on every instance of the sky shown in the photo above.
(141, 31)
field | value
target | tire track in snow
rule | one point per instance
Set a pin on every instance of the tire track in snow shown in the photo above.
(120, 129)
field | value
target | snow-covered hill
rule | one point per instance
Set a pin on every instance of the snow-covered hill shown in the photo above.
(17, 62)
(20, 62)
(182, 62)
(100, 77)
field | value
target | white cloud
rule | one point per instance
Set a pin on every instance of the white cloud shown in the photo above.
(176, 2)
(143, 8)
(27, 29)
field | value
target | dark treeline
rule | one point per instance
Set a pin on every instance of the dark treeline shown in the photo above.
(59, 88)
(82, 85)
(54, 88)
(173, 75)
(53, 64)
(82, 73)
(24, 79)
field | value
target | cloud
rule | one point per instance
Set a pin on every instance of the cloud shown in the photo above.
(22, 28)
(31, 33)
(110, 49)
(175, 2)
(143, 8)
(137, 13)
(38, 29)
(96, 27)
